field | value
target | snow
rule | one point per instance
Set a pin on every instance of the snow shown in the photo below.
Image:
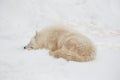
(97, 19)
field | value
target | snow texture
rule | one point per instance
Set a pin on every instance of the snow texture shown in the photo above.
(97, 19)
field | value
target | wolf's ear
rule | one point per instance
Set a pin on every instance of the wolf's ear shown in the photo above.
(36, 33)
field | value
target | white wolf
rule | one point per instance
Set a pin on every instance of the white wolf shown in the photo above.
(63, 43)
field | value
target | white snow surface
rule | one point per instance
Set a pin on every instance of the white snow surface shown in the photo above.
(97, 19)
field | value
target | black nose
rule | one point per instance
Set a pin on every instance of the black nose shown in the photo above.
(25, 47)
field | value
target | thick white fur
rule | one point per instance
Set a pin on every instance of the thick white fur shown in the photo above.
(64, 43)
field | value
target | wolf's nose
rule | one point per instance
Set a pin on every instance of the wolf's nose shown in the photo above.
(25, 47)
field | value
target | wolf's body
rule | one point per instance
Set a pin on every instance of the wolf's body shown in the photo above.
(64, 43)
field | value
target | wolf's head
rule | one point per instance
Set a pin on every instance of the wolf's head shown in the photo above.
(33, 44)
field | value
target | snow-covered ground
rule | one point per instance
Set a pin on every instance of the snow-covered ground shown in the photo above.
(97, 19)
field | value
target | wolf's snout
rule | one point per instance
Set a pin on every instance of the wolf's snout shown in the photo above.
(25, 47)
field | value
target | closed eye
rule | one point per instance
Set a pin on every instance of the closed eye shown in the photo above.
(31, 47)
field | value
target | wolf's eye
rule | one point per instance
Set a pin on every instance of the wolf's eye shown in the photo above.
(31, 47)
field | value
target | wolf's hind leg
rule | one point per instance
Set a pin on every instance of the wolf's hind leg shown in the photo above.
(66, 54)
